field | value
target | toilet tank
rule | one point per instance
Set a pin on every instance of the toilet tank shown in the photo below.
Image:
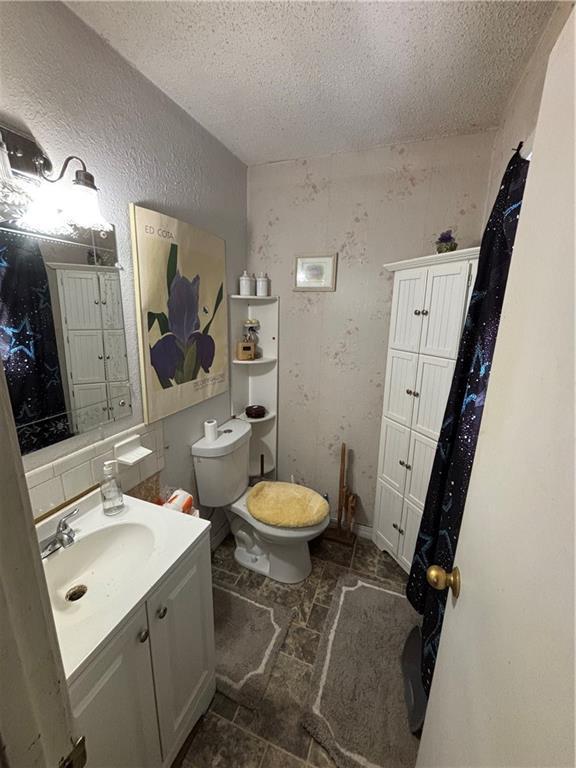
(221, 465)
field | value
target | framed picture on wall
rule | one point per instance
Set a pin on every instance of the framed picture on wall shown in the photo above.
(315, 273)
(180, 279)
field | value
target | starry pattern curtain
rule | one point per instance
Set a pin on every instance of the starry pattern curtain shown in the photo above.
(450, 477)
(28, 346)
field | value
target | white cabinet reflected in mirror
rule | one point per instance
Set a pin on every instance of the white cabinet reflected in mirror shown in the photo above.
(62, 339)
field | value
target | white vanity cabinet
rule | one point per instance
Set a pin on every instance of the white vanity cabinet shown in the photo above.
(139, 698)
(429, 301)
(113, 701)
(182, 644)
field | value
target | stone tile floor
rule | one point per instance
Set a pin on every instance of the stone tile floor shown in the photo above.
(232, 736)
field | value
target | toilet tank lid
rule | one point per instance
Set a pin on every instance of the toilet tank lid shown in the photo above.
(231, 435)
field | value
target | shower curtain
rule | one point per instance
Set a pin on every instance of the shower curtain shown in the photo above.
(438, 535)
(28, 346)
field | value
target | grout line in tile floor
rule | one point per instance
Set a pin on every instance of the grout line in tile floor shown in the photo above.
(247, 732)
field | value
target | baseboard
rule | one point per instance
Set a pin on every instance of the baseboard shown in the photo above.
(361, 530)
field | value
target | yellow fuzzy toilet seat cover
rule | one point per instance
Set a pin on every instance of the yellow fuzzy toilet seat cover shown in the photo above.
(286, 505)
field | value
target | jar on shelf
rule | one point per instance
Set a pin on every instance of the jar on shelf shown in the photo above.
(247, 284)
(262, 284)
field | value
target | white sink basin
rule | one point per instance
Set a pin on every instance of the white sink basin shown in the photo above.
(112, 565)
(102, 562)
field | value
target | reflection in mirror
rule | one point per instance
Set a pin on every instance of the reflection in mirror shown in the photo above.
(62, 339)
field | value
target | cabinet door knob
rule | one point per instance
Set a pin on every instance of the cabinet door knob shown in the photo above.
(100, 357)
(122, 403)
(107, 357)
(409, 392)
(417, 312)
(408, 466)
(394, 526)
(104, 302)
(143, 635)
(424, 312)
(402, 463)
(401, 531)
(161, 612)
(416, 394)
(96, 301)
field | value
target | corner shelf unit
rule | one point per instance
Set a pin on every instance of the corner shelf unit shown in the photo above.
(255, 382)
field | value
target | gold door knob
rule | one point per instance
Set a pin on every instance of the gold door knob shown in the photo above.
(439, 579)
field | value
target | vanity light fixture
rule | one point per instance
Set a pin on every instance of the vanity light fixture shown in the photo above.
(27, 197)
(81, 209)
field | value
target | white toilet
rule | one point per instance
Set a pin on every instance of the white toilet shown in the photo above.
(222, 479)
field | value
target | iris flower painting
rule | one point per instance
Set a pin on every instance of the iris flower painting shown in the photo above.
(184, 348)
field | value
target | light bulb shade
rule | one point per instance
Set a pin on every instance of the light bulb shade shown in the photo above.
(59, 209)
(45, 211)
(82, 207)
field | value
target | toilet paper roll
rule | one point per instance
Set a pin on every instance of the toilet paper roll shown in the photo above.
(211, 430)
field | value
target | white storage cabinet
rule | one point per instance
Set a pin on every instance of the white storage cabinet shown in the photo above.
(429, 301)
(92, 325)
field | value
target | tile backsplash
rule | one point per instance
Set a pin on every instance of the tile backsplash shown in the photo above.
(52, 484)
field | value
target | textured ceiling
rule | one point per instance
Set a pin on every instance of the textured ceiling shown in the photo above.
(278, 80)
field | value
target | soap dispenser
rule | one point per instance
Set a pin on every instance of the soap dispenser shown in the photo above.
(112, 499)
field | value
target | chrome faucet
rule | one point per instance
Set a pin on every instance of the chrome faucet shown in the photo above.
(64, 536)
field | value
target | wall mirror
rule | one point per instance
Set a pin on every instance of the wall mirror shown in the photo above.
(62, 338)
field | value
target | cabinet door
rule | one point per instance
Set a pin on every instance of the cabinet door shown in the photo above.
(407, 304)
(394, 442)
(111, 300)
(86, 356)
(119, 399)
(81, 299)
(113, 703)
(182, 633)
(431, 394)
(422, 452)
(115, 356)
(444, 309)
(409, 527)
(90, 406)
(387, 517)
(399, 386)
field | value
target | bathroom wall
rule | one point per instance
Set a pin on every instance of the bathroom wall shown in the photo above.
(79, 96)
(371, 207)
(519, 119)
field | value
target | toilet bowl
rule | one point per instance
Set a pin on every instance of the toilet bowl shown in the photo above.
(221, 468)
(278, 552)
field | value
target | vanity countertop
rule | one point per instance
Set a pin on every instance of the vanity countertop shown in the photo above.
(119, 560)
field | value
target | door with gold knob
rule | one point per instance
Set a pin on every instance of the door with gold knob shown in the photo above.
(503, 688)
